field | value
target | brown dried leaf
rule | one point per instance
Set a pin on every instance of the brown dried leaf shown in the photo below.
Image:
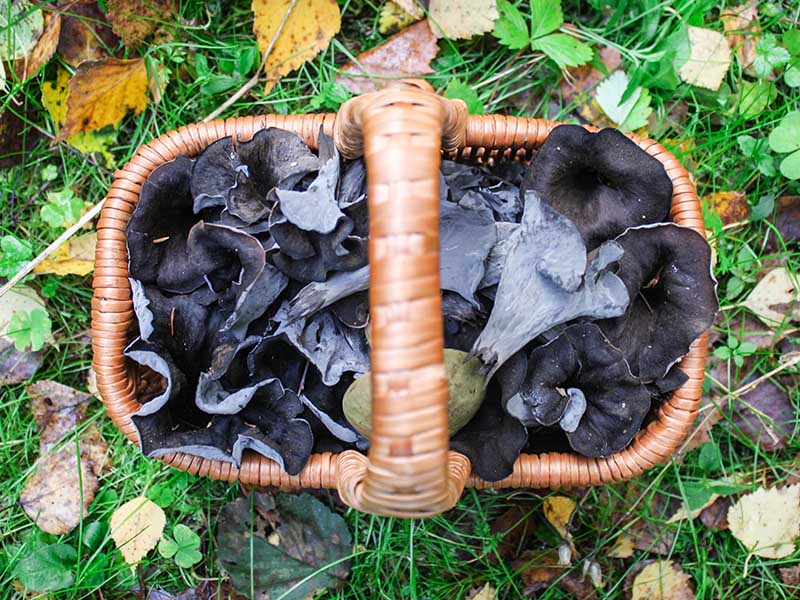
(101, 93)
(741, 29)
(73, 257)
(462, 19)
(541, 569)
(15, 137)
(578, 81)
(662, 580)
(308, 30)
(44, 49)
(57, 410)
(731, 206)
(746, 328)
(715, 517)
(134, 21)
(407, 53)
(487, 592)
(516, 529)
(85, 32)
(15, 366)
(791, 576)
(765, 415)
(788, 218)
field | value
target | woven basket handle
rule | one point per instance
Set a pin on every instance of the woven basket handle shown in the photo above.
(401, 132)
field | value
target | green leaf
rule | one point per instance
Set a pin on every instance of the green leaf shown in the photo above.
(791, 76)
(14, 254)
(747, 144)
(62, 209)
(769, 56)
(766, 165)
(786, 136)
(751, 99)
(29, 329)
(790, 166)
(187, 558)
(246, 60)
(710, 458)
(747, 348)
(564, 49)
(763, 208)
(511, 29)
(167, 547)
(462, 91)
(331, 95)
(546, 17)
(723, 353)
(738, 360)
(49, 173)
(94, 534)
(791, 39)
(21, 25)
(48, 569)
(734, 287)
(161, 494)
(185, 537)
(630, 114)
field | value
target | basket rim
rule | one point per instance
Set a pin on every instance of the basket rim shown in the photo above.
(487, 136)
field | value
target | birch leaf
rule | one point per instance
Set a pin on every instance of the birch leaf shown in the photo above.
(462, 19)
(767, 521)
(74, 257)
(136, 528)
(708, 60)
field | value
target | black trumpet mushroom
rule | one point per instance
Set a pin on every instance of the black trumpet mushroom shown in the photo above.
(603, 182)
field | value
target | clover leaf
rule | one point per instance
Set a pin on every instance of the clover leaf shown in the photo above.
(183, 547)
(62, 209)
(14, 253)
(29, 329)
(785, 139)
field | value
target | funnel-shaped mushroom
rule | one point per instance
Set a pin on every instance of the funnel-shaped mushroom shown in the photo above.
(603, 182)
(545, 282)
(666, 269)
(583, 383)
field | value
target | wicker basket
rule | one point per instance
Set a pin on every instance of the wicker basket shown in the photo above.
(409, 471)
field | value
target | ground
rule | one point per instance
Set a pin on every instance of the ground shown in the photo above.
(450, 555)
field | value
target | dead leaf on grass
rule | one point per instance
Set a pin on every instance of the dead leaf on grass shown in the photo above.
(742, 29)
(662, 580)
(708, 415)
(405, 54)
(16, 366)
(715, 516)
(136, 528)
(731, 206)
(85, 32)
(540, 569)
(790, 576)
(307, 32)
(102, 92)
(134, 21)
(623, 547)
(557, 511)
(21, 24)
(765, 415)
(462, 19)
(767, 521)
(787, 220)
(487, 592)
(708, 60)
(774, 300)
(15, 136)
(58, 493)
(578, 81)
(393, 18)
(44, 49)
(73, 257)
(516, 528)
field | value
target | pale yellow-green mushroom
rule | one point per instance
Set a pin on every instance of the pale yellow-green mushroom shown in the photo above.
(465, 382)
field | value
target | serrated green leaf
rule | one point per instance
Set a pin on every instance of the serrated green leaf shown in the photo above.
(14, 253)
(511, 29)
(786, 136)
(564, 49)
(462, 91)
(48, 569)
(546, 17)
(630, 114)
(62, 209)
(747, 144)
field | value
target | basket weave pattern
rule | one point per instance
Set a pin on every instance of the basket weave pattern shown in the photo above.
(409, 471)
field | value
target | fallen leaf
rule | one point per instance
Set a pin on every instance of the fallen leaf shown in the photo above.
(136, 528)
(16, 137)
(765, 415)
(746, 328)
(715, 516)
(774, 299)
(412, 7)
(134, 21)
(308, 30)
(16, 366)
(788, 218)
(102, 92)
(309, 553)
(790, 576)
(708, 60)
(85, 32)
(63, 485)
(731, 206)
(462, 19)
(21, 298)
(741, 30)
(557, 511)
(699, 433)
(393, 18)
(767, 521)
(514, 528)
(54, 99)
(579, 80)
(21, 24)
(405, 54)
(662, 580)
(630, 114)
(73, 257)
(487, 592)
(42, 52)
(623, 547)
(540, 569)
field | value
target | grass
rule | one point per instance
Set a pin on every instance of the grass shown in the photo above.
(447, 556)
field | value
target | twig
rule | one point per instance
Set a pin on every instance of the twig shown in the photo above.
(250, 84)
(756, 382)
(90, 214)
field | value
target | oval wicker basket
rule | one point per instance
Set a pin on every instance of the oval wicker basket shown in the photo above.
(409, 471)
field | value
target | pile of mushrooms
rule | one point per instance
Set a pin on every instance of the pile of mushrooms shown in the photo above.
(568, 300)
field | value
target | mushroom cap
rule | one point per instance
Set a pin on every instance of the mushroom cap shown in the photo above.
(581, 366)
(666, 269)
(603, 182)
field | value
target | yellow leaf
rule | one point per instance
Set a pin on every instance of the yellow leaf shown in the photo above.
(558, 510)
(54, 99)
(136, 527)
(487, 592)
(662, 580)
(708, 60)
(767, 521)
(102, 92)
(623, 547)
(393, 18)
(73, 257)
(308, 30)
(462, 19)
